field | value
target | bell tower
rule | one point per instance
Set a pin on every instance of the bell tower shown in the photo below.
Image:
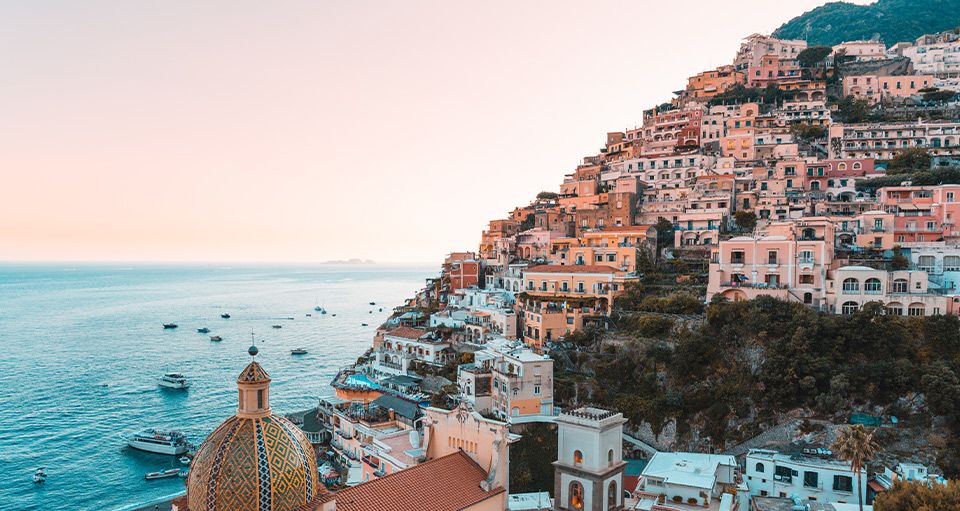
(589, 468)
(253, 386)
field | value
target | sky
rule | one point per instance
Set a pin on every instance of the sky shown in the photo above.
(304, 131)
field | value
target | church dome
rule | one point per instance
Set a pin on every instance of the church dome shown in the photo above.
(255, 460)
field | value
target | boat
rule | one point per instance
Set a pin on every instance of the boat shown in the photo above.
(381, 309)
(225, 316)
(364, 324)
(216, 338)
(185, 460)
(298, 351)
(173, 472)
(174, 381)
(40, 476)
(203, 330)
(373, 303)
(277, 326)
(169, 326)
(318, 308)
(160, 442)
(334, 314)
(184, 474)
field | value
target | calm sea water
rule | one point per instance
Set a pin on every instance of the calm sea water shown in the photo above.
(83, 346)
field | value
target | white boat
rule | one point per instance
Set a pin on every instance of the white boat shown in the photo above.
(174, 381)
(298, 351)
(173, 472)
(160, 442)
(185, 460)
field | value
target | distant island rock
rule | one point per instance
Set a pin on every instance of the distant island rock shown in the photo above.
(350, 261)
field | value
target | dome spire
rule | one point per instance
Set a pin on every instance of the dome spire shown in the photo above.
(253, 385)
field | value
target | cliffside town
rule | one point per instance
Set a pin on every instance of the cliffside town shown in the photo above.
(767, 257)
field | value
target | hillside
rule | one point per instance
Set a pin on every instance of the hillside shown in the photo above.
(892, 20)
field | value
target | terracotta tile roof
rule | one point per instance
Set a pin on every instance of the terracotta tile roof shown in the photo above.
(449, 483)
(406, 332)
(573, 268)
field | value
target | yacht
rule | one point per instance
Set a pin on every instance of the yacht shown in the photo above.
(277, 326)
(298, 351)
(203, 330)
(169, 326)
(174, 381)
(160, 442)
(216, 338)
(225, 316)
(320, 309)
(173, 472)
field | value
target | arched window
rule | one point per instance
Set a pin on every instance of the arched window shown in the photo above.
(815, 185)
(612, 495)
(849, 308)
(576, 495)
(610, 457)
(895, 309)
(808, 298)
(760, 467)
(915, 309)
(900, 286)
(872, 286)
(842, 166)
(851, 285)
(857, 165)
(577, 458)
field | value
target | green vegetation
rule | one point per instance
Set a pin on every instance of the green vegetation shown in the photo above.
(808, 132)
(892, 20)
(548, 196)
(906, 496)
(855, 445)
(814, 55)
(937, 176)
(939, 96)
(852, 110)
(531, 459)
(741, 94)
(746, 220)
(753, 360)
(909, 161)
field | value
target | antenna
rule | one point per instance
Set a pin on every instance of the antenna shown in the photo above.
(252, 350)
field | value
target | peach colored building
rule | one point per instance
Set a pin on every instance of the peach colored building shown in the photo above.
(902, 293)
(875, 88)
(789, 260)
(710, 83)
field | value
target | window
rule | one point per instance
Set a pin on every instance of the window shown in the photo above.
(783, 474)
(951, 263)
(894, 309)
(260, 399)
(771, 257)
(900, 286)
(737, 257)
(536, 390)
(872, 286)
(576, 495)
(612, 495)
(878, 224)
(925, 263)
(915, 309)
(806, 256)
(843, 483)
(810, 479)
(851, 285)
(806, 279)
(759, 467)
(577, 458)
(564, 286)
(849, 308)
(580, 288)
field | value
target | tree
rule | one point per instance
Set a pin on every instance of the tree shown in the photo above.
(664, 232)
(813, 55)
(899, 261)
(850, 109)
(855, 444)
(548, 196)
(915, 159)
(746, 220)
(939, 96)
(808, 131)
(916, 496)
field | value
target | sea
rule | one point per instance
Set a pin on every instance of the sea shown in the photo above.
(83, 346)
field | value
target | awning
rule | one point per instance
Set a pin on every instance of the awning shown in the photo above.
(875, 486)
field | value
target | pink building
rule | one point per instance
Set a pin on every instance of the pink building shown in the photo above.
(875, 88)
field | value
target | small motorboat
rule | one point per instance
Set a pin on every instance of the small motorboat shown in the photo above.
(334, 315)
(173, 472)
(364, 324)
(369, 312)
(169, 326)
(173, 381)
(184, 474)
(318, 308)
(225, 316)
(298, 351)
(373, 303)
(381, 309)
(308, 314)
(185, 460)
(203, 330)
(216, 338)
(277, 326)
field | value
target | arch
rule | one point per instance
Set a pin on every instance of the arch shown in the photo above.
(575, 500)
(872, 286)
(895, 309)
(612, 495)
(577, 458)
(851, 285)
(816, 95)
(900, 286)
(842, 166)
(808, 298)
(734, 295)
(916, 309)
(815, 185)
(515, 412)
(760, 468)
(610, 457)
(849, 308)
(857, 165)
(846, 239)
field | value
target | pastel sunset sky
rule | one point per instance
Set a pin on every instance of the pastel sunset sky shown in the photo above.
(306, 131)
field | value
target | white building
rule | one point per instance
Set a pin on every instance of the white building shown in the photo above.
(589, 467)
(509, 380)
(403, 346)
(685, 480)
(902, 292)
(769, 473)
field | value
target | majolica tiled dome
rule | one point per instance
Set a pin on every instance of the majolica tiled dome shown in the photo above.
(255, 461)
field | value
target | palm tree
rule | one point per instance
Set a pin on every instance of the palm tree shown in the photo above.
(855, 444)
